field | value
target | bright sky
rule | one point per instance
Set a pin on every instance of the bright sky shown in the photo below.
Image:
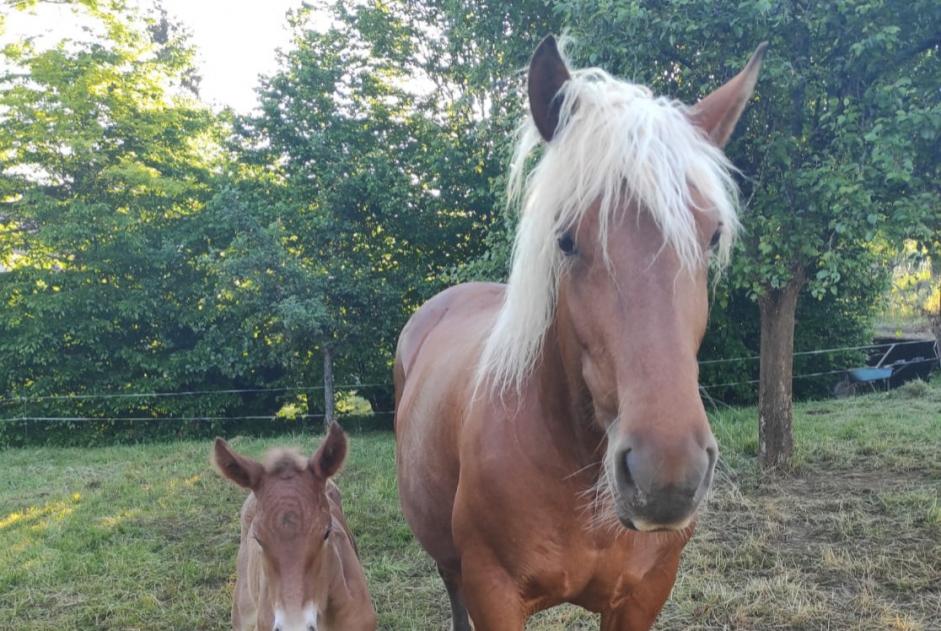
(236, 40)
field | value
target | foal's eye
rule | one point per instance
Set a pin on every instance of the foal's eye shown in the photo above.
(716, 237)
(327, 534)
(567, 244)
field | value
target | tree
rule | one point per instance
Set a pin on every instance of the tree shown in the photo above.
(372, 181)
(106, 162)
(265, 312)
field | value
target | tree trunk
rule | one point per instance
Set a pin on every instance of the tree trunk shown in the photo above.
(775, 388)
(935, 319)
(329, 414)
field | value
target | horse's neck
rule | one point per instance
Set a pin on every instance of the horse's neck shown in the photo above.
(569, 410)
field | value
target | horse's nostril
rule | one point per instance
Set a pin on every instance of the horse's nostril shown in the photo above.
(628, 477)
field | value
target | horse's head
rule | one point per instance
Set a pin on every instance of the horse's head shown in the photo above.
(292, 523)
(629, 201)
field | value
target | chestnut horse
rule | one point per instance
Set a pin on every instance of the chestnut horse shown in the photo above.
(298, 569)
(552, 445)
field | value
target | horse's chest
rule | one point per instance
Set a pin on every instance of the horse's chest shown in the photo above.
(593, 571)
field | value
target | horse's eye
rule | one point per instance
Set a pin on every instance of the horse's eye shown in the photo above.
(327, 534)
(567, 244)
(716, 237)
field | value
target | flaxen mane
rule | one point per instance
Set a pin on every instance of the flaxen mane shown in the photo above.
(615, 143)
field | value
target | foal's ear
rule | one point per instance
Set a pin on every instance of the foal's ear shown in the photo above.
(717, 113)
(547, 73)
(242, 470)
(329, 458)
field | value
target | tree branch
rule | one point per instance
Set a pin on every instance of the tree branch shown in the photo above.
(929, 42)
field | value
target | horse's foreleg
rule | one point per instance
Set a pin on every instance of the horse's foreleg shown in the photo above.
(459, 617)
(628, 619)
(639, 610)
(492, 598)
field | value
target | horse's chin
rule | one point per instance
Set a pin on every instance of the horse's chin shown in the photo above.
(638, 524)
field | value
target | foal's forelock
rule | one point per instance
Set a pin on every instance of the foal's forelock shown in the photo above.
(616, 146)
(284, 461)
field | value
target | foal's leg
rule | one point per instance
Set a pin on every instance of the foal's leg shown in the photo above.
(459, 619)
(492, 598)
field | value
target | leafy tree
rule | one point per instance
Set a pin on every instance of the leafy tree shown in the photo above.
(374, 184)
(106, 161)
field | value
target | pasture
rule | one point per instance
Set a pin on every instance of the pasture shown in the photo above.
(144, 537)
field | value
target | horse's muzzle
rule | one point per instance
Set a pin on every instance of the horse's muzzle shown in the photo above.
(660, 489)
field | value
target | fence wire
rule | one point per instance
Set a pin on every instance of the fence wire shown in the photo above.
(359, 386)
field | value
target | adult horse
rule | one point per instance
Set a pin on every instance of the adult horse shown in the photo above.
(551, 442)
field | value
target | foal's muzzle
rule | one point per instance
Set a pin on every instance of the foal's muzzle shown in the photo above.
(661, 488)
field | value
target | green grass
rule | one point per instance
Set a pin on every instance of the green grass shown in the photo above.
(144, 537)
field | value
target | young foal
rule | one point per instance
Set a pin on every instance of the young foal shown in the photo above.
(298, 569)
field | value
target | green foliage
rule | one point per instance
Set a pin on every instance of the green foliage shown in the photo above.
(106, 163)
(838, 148)
(377, 184)
(838, 143)
(833, 321)
(149, 245)
(916, 286)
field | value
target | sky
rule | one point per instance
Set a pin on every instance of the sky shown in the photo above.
(235, 40)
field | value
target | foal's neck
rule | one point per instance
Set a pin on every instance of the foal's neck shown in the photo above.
(341, 596)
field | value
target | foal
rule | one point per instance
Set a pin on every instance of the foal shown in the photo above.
(298, 568)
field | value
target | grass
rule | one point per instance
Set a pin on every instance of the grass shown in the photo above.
(144, 537)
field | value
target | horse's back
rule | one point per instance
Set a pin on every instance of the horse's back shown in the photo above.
(468, 304)
(436, 360)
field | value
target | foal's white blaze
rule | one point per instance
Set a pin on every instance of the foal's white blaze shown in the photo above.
(307, 621)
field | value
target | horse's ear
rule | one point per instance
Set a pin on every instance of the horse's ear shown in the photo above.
(547, 73)
(717, 113)
(242, 470)
(329, 458)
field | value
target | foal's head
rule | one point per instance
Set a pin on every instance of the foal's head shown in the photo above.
(630, 200)
(292, 523)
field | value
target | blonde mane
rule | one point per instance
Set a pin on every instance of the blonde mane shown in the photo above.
(615, 143)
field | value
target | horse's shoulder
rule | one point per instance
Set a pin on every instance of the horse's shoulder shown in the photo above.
(458, 302)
